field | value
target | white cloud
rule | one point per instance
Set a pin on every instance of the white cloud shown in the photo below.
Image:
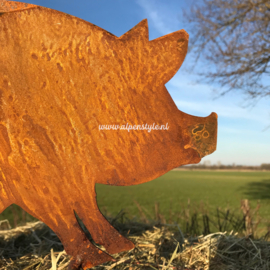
(163, 19)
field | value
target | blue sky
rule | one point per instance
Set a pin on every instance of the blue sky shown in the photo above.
(241, 139)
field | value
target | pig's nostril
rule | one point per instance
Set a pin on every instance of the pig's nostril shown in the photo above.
(205, 134)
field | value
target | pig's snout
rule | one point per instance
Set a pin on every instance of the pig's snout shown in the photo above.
(203, 135)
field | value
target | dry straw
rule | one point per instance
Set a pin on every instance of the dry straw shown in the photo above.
(158, 246)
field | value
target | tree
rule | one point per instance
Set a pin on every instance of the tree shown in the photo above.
(233, 36)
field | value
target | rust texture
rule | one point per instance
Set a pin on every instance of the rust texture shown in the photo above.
(60, 78)
(9, 6)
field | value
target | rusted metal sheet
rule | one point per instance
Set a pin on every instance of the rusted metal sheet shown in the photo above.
(9, 6)
(61, 79)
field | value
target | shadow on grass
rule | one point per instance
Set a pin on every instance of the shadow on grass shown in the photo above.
(258, 190)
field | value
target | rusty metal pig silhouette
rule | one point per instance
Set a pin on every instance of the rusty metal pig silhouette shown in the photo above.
(60, 78)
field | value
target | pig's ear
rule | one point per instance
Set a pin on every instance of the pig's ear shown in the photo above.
(139, 31)
(167, 54)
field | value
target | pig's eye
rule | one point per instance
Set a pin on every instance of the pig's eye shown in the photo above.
(198, 128)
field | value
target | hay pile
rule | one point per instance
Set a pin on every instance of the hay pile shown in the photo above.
(158, 246)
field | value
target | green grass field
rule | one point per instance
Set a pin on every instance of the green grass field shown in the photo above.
(174, 189)
(205, 190)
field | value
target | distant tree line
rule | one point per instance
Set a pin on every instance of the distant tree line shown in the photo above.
(264, 166)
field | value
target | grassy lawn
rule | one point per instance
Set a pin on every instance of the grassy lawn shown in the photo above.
(174, 189)
(204, 190)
